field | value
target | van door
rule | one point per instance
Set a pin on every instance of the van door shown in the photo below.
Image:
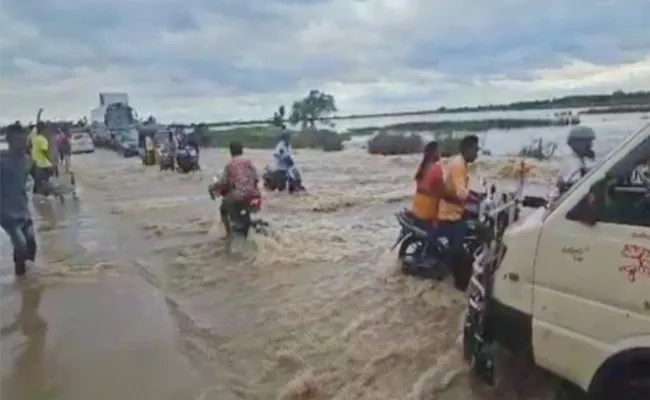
(592, 279)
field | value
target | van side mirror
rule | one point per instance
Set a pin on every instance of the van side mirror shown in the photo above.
(586, 211)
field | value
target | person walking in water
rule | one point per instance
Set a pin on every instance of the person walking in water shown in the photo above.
(65, 149)
(40, 151)
(15, 217)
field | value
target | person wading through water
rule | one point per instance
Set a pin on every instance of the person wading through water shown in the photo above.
(43, 167)
(15, 217)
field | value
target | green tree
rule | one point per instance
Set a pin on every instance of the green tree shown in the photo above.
(316, 107)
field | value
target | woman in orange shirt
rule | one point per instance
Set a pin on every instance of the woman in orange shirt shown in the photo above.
(429, 180)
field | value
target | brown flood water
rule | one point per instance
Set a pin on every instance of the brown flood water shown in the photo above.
(317, 310)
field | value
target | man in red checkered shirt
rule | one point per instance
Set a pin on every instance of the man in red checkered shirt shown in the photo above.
(238, 183)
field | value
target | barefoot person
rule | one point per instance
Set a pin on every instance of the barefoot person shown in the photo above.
(15, 217)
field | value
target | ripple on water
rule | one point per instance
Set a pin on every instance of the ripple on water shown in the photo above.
(316, 310)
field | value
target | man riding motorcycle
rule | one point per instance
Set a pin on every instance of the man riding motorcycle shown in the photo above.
(450, 213)
(282, 153)
(238, 185)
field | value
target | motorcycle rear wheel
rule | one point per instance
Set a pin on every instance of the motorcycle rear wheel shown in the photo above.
(410, 247)
(411, 253)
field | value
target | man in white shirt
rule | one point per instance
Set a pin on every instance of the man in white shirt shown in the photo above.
(282, 152)
(577, 164)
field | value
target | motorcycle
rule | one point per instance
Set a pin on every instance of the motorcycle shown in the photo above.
(477, 345)
(187, 160)
(419, 256)
(241, 222)
(485, 216)
(165, 159)
(280, 180)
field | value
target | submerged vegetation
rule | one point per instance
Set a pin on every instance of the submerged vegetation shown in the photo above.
(392, 144)
(467, 125)
(264, 137)
(539, 149)
(618, 110)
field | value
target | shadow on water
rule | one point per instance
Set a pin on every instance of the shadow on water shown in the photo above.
(29, 377)
(98, 316)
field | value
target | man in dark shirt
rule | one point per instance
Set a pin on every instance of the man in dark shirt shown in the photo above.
(15, 217)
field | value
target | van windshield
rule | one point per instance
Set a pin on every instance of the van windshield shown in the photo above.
(597, 166)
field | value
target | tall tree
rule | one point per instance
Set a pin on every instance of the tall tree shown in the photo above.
(316, 107)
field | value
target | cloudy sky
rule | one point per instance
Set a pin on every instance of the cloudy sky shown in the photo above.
(190, 60)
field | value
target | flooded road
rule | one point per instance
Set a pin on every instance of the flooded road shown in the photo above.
(82, 324)
(316, 310)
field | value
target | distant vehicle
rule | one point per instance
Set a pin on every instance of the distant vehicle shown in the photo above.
(127, 142)
(106, 99)
(113, 123)
(81, 142)
(3, 142)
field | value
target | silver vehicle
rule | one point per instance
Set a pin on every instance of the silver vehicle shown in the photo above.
(81, 142)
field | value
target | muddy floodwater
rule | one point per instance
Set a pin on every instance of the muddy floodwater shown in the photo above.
(315, 310)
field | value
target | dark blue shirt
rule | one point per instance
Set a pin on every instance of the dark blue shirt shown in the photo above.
(14, 169)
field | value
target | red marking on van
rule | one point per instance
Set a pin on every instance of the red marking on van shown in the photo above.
(638, 261)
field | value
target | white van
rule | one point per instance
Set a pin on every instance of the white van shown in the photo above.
(570, 286)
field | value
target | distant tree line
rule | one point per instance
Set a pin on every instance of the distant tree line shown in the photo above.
(319, 107)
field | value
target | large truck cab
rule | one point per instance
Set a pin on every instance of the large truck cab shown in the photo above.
(569, 285)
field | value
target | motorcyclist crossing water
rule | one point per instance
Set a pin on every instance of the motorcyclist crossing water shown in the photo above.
(429, 190)
(452, 223)
(187, 154)
(285, 174)
(238, 185)
(283, 153)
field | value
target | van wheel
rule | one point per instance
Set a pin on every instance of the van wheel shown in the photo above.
(631, 382)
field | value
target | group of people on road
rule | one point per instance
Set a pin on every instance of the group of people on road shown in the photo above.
(438, 202)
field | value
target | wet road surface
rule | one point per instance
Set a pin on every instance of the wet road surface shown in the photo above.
(138, 291)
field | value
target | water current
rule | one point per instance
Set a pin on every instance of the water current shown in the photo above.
(315, 310)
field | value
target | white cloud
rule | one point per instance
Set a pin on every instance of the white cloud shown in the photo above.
(197, 60)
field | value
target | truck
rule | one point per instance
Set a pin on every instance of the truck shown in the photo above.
(568, 286)
(114, 124)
